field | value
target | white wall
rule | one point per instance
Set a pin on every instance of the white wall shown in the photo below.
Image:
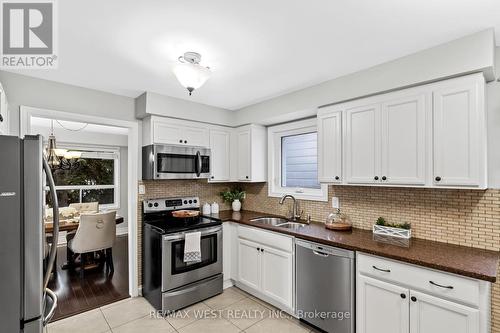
(160, 105)
(469, 54)
(29, 91)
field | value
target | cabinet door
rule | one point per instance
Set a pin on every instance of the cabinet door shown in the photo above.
(249, 270)
(220, 155)
(195, 136)
(277, 275)
(403, 141)
(430, 314)
(167, 133)
(330, 147)
(380, 307)
(363, 144)
(456, 135)
(244, 151)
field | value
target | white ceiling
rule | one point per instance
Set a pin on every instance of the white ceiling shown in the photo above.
(257, 49)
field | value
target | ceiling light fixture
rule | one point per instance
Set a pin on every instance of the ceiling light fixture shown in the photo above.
(190, 73)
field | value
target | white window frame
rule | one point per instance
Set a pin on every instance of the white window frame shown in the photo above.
(274, 137)
(98, 152)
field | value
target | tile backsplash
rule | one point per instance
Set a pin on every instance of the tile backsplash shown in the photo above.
(464, 217)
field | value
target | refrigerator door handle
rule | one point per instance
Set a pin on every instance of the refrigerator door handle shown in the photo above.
(50, 314)
(55, 222)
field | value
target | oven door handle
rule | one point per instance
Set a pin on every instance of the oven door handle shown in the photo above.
(180, 236)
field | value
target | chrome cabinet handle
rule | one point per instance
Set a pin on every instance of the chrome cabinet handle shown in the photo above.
(381, 269)
(49, 315)
(440, 285)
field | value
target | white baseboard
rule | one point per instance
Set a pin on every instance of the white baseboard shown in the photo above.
(227, 284)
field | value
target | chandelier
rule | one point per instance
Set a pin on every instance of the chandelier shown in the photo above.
(59, 158)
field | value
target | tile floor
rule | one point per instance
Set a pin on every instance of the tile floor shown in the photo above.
(232, 311)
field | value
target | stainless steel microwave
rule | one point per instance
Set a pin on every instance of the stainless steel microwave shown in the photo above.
(175, 162)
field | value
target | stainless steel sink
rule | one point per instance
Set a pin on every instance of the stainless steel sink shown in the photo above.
(279, 222)
(292, 225)
(274, 221)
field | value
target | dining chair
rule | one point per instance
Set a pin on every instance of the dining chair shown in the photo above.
(96, 232)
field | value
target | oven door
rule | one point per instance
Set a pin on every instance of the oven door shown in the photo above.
(173, 162)
(176, 273)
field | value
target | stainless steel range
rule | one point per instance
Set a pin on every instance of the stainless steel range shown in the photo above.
(168, 282)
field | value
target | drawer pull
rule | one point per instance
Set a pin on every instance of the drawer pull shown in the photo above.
(382, 270)
(440, 285)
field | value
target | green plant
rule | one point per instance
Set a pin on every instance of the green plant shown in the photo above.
(231, 195)
(381, 221)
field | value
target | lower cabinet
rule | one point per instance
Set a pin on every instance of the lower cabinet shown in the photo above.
(429, 314)
(394, 297)
(265, 266)
(382, 307)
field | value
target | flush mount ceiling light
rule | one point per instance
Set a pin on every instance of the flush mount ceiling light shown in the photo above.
(190, 73)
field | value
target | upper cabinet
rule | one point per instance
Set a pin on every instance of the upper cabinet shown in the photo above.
(237, 154)
(220, 149)
(251, 153)
(459, 134)
(330, 145)
(433, 136)
(4, 121)
(362, 144)
(176, 132)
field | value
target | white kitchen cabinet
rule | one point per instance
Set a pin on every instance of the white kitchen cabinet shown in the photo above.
(432, 135)
(459, 150)
(330, 145)
(429, 314)
(276, 275)
(220, 149)
(382, 307)
(163, 130)
(362, 148)
(249, 264)
(392, 296)
(266, 266)
(403, 130)
(251, 163)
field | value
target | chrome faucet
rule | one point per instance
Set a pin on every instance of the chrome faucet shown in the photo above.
(295, 214)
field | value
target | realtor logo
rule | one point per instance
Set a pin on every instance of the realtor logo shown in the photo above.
(28, 31)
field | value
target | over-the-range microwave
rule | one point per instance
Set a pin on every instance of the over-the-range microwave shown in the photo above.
(175, 162)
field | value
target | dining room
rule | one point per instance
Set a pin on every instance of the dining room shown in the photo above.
(88, 163)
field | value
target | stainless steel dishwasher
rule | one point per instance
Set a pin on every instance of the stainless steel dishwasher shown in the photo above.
(325, 284)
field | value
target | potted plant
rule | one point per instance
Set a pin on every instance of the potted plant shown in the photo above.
(234, 197)
(400, 230)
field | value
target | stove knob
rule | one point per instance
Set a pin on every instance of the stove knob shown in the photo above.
(156, 204)
(190, 201)
(195, 201)
(185, 202)
(150, 205)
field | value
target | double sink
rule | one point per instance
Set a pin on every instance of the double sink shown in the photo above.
(279, 222)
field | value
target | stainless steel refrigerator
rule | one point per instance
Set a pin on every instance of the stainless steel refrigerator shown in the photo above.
(26, 304)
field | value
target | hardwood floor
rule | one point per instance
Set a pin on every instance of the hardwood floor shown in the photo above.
(96, 289)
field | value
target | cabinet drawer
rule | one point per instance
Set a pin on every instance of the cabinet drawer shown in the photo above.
(460, 289)
(268, 238)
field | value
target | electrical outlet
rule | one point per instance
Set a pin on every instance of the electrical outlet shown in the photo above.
(142, 189)
(335, 202)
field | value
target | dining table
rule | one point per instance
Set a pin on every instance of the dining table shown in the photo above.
(71, 224)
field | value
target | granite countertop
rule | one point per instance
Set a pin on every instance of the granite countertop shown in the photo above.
(462, 260)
